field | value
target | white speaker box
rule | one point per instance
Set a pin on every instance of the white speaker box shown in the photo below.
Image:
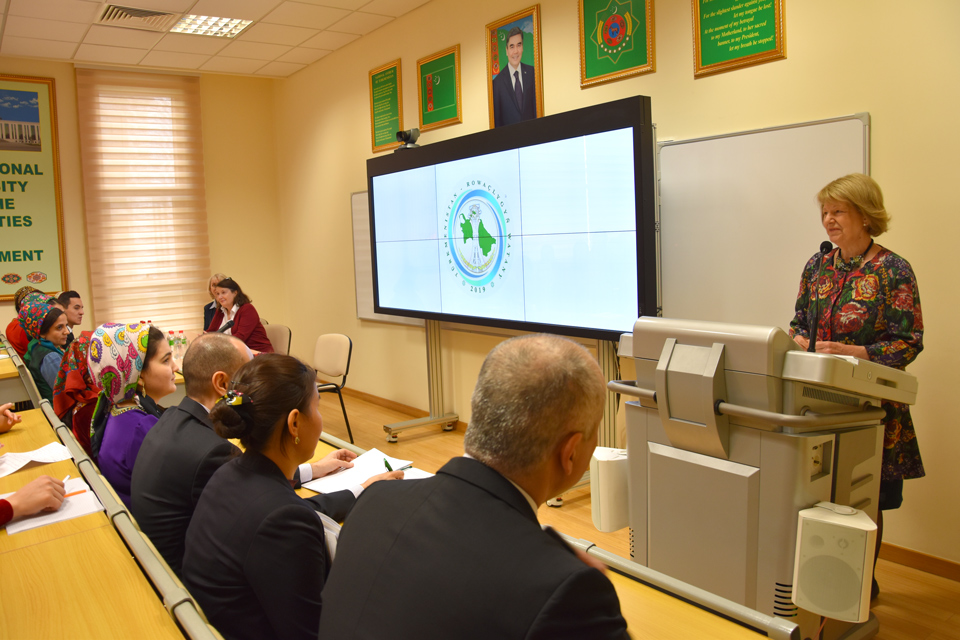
(608, 489)
(833, 570)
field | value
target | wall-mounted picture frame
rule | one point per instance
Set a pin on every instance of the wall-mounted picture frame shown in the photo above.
(31, 206)
(514, 58)
(616, 40)
(386, 106)
(438, 77)
(733, 34)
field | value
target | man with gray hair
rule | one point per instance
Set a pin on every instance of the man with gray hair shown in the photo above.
(461, 555)
(182, 451)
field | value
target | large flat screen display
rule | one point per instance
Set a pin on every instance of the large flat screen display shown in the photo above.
(547, 225)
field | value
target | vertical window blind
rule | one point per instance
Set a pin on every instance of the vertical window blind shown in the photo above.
(142, 157)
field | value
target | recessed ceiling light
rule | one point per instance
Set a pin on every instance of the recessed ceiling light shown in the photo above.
(210, 26)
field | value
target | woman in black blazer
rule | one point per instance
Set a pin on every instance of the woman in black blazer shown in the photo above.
(255, 556)
(211, 308)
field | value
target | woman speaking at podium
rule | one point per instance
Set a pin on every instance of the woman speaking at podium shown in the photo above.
(866, 304)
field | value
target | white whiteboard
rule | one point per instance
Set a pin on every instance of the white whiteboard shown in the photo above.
(739, 217)
(363, 269)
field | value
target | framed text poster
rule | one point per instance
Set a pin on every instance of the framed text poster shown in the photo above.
(439, 78)
(732, 34)
(386, 106)
(616, 40)
(31, 211)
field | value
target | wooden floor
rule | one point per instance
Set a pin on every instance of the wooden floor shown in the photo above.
(912, 605)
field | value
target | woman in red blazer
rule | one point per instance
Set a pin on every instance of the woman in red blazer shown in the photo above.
(236, 306)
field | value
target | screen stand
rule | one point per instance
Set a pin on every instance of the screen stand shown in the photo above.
(435, 386)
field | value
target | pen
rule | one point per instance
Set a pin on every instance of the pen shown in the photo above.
(387, 465)
(406, 467)
(75, 493)
(65, 479)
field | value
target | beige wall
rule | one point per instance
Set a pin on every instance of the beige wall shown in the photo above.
(862, 55)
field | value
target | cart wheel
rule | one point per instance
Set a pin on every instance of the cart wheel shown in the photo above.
(391, 438)
(555, 502)
(449, 427)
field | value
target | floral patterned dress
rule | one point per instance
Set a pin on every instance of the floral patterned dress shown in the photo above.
(877, 306)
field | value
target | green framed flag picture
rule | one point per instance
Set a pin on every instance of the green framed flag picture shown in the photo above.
(31, 208)
(616, 40)
(438, 76)
(732, 34)
(386, 106)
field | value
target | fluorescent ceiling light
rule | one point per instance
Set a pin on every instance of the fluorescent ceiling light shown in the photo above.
(210, 26)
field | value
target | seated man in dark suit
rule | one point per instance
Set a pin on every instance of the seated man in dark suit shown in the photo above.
(461, 555)
(182, 451)
(513, 103)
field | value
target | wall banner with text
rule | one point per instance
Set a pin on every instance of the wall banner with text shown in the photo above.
(732, 34)
(386, 106)
(31, 211)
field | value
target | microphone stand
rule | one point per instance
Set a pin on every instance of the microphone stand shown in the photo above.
(825, 248)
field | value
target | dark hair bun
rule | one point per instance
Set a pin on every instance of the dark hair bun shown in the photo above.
(228, 421)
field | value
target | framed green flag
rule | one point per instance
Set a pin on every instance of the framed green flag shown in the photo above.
(438, 76)
(616, 40)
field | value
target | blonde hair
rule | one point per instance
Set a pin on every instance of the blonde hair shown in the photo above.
(864, 194)
(217, 277)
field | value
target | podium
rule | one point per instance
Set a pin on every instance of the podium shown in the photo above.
(733, 431)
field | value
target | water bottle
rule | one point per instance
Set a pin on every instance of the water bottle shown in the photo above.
(182, 339)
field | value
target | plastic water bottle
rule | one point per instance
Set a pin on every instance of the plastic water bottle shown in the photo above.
(172, 342)
(182, 340)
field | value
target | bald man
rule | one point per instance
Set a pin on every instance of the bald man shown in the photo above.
(461, 555)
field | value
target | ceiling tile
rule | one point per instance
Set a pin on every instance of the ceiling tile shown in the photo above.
(360, 23)
(254, 50)
(66, 10)
(114, 55)
(232, 65)
(186, 43)
(303, 55)
(35, 48)
(281, 69)
(44, 29)
(174, 59)
(352, 5)
(122, 37)
(395, 8)
(330, 40)
(243, 9)
(276, 34)
(298, 14)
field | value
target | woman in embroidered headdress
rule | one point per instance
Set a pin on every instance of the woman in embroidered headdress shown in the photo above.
(16, 336)
(134, 368)
(869, 308)
(46, 327)
(75, 392)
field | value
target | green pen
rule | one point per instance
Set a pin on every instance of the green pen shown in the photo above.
(387, 465)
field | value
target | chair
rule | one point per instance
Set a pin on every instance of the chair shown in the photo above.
(331, 358)
(279, 336)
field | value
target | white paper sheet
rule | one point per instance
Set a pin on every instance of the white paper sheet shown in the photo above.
(13, 461)
(364, 467)
(74, 506)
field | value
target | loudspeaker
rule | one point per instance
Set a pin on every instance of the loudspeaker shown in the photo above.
(608, 489)
(833, 570)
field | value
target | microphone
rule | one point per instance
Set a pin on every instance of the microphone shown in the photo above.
(225, 327)
(825, 248)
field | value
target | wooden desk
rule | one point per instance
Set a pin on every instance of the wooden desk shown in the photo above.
(649, 613)
(11, 387)
(84, 585)
(7, 368)
(32, 433)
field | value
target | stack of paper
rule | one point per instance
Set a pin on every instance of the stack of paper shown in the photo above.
(80, 500)
(53, 452)
(364, 467)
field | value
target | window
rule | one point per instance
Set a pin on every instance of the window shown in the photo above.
(142, 158)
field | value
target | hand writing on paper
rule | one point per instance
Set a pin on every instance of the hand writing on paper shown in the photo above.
(43, 494)
(7, 417)
(390, 475)
(333, 462)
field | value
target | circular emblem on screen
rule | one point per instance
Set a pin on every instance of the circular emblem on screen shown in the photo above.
(477, 237)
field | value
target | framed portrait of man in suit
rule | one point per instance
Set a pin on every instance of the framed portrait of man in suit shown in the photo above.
(514, 68)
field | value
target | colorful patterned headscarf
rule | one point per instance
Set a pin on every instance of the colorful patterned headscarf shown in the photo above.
(32, 313)
(116, 355)
(22, 293)
(74, 383)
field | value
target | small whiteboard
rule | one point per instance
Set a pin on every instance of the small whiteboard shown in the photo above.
(362, 262)
(739, 217)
